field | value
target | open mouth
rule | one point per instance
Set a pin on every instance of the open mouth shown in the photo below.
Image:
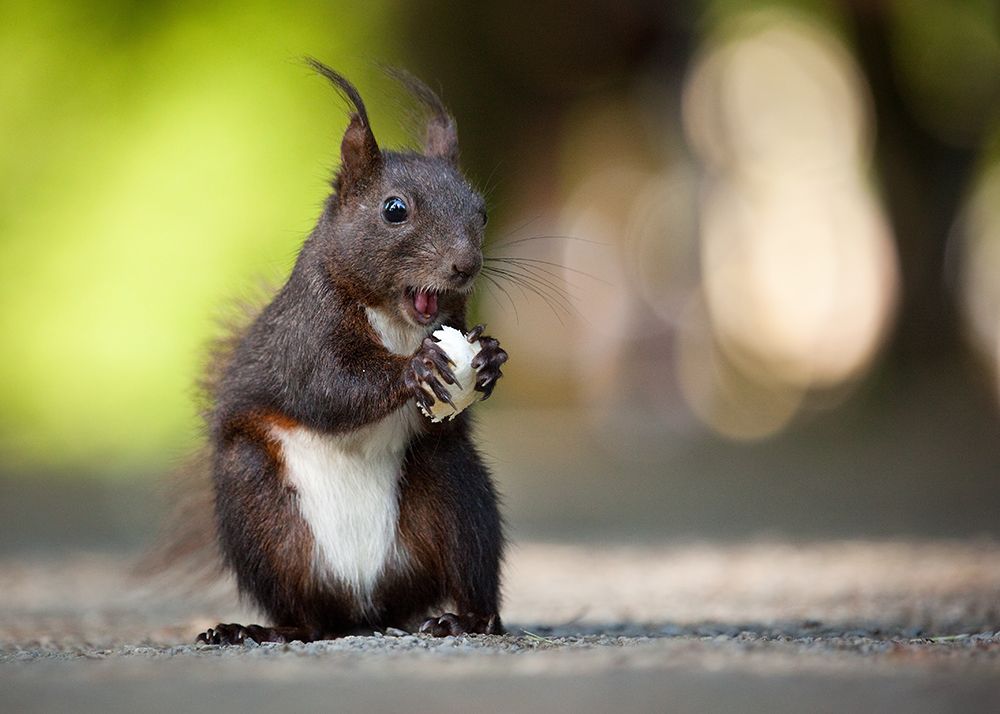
(422, 304)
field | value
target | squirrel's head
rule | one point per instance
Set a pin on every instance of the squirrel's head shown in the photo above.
(402, 230)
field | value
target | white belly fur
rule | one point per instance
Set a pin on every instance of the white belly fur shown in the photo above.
(348, 494)
(348, 486)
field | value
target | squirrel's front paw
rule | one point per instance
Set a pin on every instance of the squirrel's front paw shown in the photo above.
(487, 363)
(421, 371)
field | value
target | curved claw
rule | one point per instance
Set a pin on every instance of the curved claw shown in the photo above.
(443, 626)
(431, 346)
(424, 400)
(486, 389)
(487, 363)
(423, 375)
(416, 374)
(413, 380)
(486, 382)
(467, 623)
(440, 392)
(475, 332)
(491, 353)
(223, 634)
(488, 345)
(434, 356)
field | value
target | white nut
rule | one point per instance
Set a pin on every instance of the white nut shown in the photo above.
(461, 352)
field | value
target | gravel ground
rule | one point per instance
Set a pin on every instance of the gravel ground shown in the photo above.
(833, 626)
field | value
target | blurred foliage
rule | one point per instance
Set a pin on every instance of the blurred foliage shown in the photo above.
(155, 155)
(948, 55)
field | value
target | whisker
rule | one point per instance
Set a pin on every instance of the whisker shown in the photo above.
(542, 288)
(490, 269)
(524, 272)
(547, 237)
(553, 278)
(489, 185)
(521, 226)
(541, 273)
(539, 261)
(524, 288)
(486, 288)
(502, 289)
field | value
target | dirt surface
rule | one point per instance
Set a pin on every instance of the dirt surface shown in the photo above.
(834, 626)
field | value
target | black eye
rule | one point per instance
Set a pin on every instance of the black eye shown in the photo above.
(486, 218)
(394, 209)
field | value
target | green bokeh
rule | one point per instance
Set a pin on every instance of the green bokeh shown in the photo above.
(156, 157)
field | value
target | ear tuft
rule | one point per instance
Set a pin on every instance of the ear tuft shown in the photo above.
(360, 158)
(441, 134)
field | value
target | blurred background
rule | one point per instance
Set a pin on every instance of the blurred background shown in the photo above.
(757, 286)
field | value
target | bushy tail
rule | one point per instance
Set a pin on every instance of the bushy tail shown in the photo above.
(186, 551)
(185, 555)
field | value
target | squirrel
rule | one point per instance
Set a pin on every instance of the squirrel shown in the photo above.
(338, 506)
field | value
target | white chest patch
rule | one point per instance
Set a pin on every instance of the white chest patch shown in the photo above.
(398, 337)
(348, 494)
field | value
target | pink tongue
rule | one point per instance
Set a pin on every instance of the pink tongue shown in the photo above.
(426, 302)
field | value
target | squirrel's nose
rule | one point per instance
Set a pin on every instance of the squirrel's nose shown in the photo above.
(464, 270)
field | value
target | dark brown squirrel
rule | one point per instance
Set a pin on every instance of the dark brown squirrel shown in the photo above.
(338, 506)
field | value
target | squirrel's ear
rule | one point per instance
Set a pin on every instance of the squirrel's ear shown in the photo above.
(360, 158)
(441, 136)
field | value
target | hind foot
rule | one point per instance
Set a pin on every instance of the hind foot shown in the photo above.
(467, 624)
(234, 634)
